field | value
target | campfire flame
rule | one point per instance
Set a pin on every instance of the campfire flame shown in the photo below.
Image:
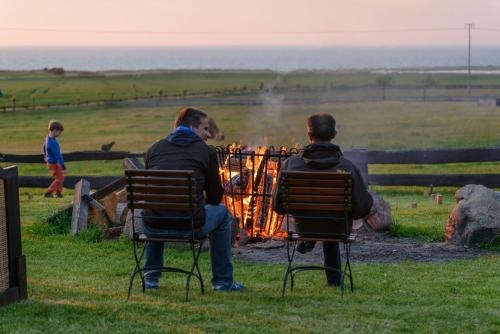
(249, 175)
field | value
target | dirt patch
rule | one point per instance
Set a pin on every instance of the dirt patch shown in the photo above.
(377, 248)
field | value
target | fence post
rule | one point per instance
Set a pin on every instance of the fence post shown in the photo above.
(359, 157)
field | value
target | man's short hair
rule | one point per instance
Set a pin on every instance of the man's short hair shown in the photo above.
(55, 125)
(322, 126)
(189, 117)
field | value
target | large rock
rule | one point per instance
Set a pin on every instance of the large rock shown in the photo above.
(475, 218)
(379, 218)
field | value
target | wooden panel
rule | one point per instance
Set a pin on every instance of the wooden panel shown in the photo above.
(162, 173)
(160, 198)
(80, 207)
(315, 183)
(317, 199)
(10, 295)
(72, 156)
(432, 156)
(161, 181)
(159, 189)
(96, 182)
(317, 191)
(160, 206)
(132, 163)
(424, 156)
(316, 207)
(4, 241)
(316, 175)
(457, 180)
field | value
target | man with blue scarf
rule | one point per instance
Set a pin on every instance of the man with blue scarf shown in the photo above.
(185, 149)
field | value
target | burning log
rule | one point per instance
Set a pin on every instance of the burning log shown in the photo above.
(249, 177)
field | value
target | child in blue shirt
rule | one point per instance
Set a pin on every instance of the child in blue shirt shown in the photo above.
(54, 159)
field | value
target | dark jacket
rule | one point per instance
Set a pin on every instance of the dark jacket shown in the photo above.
(326, 158)
(185, 150)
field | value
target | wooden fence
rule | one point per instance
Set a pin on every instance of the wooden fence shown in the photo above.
(362, 158)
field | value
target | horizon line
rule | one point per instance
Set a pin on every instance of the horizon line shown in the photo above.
(245, 45)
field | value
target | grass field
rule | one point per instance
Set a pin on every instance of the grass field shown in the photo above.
(79, 285)
(42, 88)
(384, 125)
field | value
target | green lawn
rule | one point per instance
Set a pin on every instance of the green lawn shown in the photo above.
(79, 286)
(42, 88)
(381, 125)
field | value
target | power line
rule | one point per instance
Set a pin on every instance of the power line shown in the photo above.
(488, 29)
(143, 32)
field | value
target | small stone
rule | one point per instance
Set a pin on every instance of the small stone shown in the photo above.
(439, 199)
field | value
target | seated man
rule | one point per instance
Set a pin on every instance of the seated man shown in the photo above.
(185, 149)
(323, 156)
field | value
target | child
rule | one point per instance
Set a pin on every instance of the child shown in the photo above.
(54, 159)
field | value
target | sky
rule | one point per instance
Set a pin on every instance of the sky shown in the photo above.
(247, 22)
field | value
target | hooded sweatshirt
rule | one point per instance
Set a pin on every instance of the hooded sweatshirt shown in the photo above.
(327, 157)
(183, 149)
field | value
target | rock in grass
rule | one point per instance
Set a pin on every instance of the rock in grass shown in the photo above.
(476, 217)
(379, 218)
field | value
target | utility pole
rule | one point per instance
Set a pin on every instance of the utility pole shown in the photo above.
(469, 26)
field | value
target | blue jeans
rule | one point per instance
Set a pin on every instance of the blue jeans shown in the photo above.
(218, 227)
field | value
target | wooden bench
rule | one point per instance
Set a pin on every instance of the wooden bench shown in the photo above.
(321, 204)
(160, 193)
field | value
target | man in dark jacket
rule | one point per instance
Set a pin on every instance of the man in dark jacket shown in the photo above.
(322, 155)
(185, 149)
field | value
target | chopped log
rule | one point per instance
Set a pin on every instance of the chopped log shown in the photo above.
(113, 232)
(121, 213)
(121, 196)
(109, 204)
(98, 213)
(80, 207)
(115, 185)
(132, 163)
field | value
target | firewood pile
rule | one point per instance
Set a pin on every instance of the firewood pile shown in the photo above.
(105, 208)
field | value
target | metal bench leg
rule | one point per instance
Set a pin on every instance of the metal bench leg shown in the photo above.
(289, 269)
(137, 269)
(347, 267)
(196, 251)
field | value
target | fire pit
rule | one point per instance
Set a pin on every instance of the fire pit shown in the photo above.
(249, 175)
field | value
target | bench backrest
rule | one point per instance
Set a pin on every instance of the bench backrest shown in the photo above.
(320, 202)
(163, 191)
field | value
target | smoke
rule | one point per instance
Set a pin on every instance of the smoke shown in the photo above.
(265, 120)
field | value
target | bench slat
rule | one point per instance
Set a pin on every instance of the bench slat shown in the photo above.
(178, 207)
(316, 207)
(315, 191)
(316, 175)
(160, 198)
(315, 183)
(148, 189)
(161, 173)
(317, 199)
(171, 181)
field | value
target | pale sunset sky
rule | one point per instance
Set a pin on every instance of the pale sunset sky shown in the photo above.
(249, 22)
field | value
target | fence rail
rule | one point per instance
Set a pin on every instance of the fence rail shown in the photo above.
(362, 158)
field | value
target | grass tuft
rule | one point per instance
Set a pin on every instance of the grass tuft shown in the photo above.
(92, 234)
(60, 225)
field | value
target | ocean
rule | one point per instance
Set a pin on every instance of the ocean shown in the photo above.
(282, 59)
